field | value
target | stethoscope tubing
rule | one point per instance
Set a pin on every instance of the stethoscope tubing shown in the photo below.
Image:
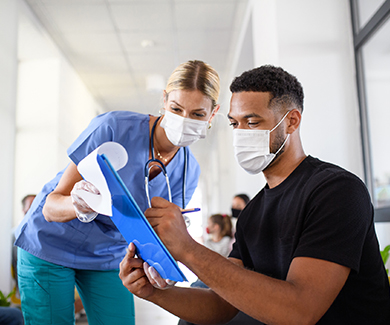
(163, 169)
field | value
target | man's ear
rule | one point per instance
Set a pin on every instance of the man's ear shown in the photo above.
(294, 120)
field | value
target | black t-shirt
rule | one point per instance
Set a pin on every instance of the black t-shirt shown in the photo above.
(320, 211)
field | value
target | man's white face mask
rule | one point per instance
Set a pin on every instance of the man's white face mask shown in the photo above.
(183, 131)
(251, 148)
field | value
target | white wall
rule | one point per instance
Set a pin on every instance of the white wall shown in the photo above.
(43, 107)
(8, 68)
(313, 41)
(53, 107)
(316, 45)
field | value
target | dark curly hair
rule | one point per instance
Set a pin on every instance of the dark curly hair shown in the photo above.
(284, 87)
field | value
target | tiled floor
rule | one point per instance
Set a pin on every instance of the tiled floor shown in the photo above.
(147, 313)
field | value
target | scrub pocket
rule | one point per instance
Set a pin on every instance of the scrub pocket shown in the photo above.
(46, 291)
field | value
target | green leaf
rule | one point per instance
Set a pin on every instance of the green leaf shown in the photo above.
(11, 293)
(4, 301)
(385, 253)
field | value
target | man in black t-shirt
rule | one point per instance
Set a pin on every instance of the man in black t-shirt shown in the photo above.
(306, 251)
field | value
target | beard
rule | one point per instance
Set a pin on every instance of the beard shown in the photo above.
(276, 144)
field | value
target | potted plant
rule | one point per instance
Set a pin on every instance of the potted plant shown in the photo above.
(385, 253)
(5, 300)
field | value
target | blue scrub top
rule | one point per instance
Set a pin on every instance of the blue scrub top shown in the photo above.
(98, 245)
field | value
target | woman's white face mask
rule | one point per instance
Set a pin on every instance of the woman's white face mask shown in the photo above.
(251, 148)
(183, 131)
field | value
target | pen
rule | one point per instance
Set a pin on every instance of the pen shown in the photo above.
(189, 210)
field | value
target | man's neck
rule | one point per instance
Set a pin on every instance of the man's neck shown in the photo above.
(283, 167)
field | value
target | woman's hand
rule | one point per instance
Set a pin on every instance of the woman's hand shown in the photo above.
(133, 275)
(83, 211)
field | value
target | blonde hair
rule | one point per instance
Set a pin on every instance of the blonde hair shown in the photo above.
(195, 75)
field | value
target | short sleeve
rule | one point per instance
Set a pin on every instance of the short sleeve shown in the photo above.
(338, 216)
(100, 130)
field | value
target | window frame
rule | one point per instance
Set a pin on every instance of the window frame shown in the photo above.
(360, 37)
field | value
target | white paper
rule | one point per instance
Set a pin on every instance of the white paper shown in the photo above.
(90, 170)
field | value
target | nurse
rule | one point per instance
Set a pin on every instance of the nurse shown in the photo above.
(63, 243)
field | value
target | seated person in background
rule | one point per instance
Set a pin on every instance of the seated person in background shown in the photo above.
(238, 204)
(219, 227)
(26, 203)
(11, 316)
(306, 251)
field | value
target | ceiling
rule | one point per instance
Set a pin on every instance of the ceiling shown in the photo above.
(124, 50)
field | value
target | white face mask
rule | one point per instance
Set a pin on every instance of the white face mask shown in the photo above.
(251, 148)
(183, 131)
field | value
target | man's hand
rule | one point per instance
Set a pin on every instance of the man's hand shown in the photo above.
(167, 220)
(133, 276)
(155, 279)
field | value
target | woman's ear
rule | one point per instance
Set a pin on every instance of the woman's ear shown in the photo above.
(165, 97)
(215, 110)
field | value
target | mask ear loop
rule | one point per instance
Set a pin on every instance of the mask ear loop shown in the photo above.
(280, 121)
(288, 135)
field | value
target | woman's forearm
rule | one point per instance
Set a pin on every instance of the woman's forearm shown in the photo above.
(58, 208)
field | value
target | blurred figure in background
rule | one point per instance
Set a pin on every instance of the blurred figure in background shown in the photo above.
(13, 315)
(26, 204)
(238, 204)
(219, 230)
(10, 316)
(219, 227)
(27, 201)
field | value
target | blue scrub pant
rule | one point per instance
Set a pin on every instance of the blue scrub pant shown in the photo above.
(47, 294)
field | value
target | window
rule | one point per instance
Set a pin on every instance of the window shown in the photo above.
(372, 53)
(367, 9)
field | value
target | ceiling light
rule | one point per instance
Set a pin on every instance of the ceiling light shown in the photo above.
(147, 43)
(155, 83)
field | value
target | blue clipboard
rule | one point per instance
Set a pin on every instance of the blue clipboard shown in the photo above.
(134, 227)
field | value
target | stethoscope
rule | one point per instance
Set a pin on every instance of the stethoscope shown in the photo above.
(163, 169)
